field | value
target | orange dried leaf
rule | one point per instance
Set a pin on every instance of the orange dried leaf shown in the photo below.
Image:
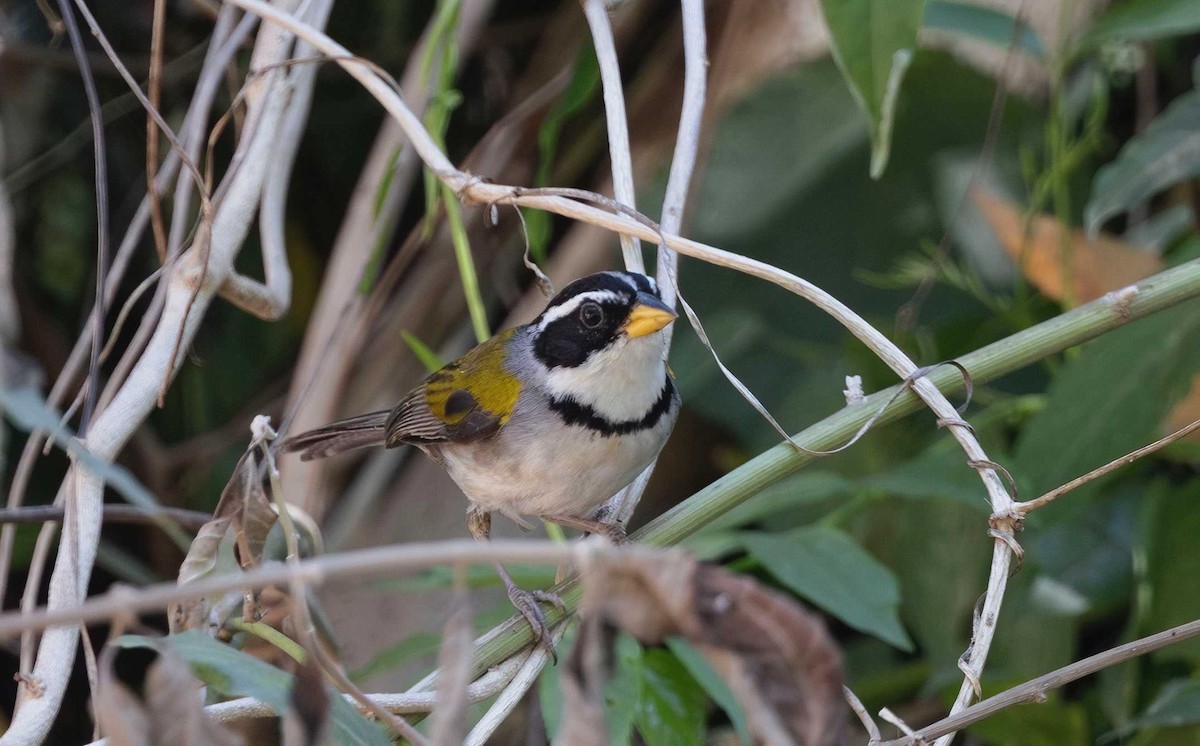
(777, 657)
(1096, 266)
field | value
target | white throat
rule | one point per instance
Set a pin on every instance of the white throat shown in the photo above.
(620, 383)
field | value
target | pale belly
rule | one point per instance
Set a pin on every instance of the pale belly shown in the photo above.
(569, 474)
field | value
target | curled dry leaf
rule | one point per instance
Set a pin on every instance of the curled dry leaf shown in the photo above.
(169, 711)
(778, 658)
(233, 539)
(1096, 266)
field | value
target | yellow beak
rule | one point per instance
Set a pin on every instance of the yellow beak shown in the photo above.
(647, 316)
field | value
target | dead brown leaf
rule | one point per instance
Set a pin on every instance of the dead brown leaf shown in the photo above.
(1093, 267)
(776, 656)
(233, 539)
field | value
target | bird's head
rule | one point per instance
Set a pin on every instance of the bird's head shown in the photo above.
(600, 340)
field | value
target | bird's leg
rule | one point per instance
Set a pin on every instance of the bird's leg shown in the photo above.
(479, 523)
(614, 531)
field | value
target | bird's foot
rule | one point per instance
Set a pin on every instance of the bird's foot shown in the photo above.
(527, 602)
(614, 532)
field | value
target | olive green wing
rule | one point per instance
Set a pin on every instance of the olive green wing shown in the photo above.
(465, 401)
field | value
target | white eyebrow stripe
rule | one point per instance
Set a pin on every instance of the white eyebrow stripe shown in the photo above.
(625, 278)
(566, 309)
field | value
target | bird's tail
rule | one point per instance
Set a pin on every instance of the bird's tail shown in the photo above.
(344, 435)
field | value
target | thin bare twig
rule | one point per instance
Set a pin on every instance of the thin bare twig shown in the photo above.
(154, 88)
(364, 701)
(618, 125)
(101, 172)
(484, 687)
(1029, 506)
(113, 513)
(864, 717)
(363, 564)
(904, 727)
(508, 699)
(1035, 689)
(369, 221)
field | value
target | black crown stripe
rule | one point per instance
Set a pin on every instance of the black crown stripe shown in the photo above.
(575, 413)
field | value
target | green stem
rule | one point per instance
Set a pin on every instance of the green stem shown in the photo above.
(1085, 322)
(466, 264)
(269, 634)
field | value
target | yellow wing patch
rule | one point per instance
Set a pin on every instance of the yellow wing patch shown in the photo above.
(480, 373)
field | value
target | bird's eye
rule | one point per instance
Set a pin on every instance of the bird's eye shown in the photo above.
(591, 315)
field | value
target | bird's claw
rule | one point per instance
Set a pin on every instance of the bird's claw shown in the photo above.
(547, 597)
(526, 602)
(615, 533)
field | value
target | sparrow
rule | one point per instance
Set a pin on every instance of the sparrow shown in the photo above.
(547, 420)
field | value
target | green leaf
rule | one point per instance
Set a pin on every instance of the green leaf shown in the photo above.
(938, 472)
(1143, 20)
(756, 144)
(622, 692)
(983, 23)
(708, 678)
(1046, 724)
(232, 673)
(826, 567)
(670, 710)
(936, 607)
(1166, 153)
(1089, 544)
(1177, 704)
(1109, 399)
(873, 42)
(550, 699)
(1172, 564)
